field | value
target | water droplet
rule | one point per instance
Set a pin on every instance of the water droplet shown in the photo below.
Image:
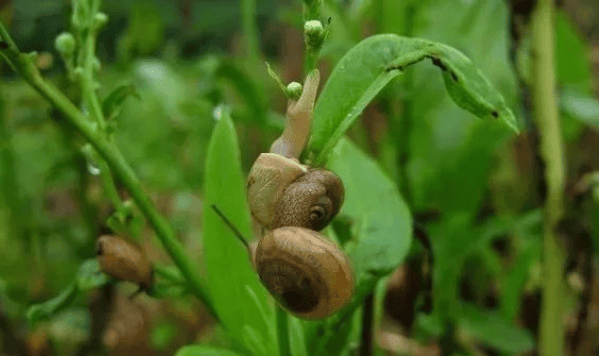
(92, 169)
(217, 112)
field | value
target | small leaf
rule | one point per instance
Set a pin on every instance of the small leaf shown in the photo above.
(90, 276)
(111, 107)
(582, 107)
(44, 310)
(491, 329)
(168, 282)
(201, 350)
(367, 68)
(572, 53)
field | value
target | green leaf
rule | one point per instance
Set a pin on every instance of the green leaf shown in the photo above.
(111, 107)
(90, 275)
(168, 282)
(44, 310)
(572, 53)
(201, 350)
(239, 298)
(582, 107)
(371, 64)
(382, 228)
(491, 329)
(381, 219)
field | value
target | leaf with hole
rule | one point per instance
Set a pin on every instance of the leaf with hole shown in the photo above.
(367, 68)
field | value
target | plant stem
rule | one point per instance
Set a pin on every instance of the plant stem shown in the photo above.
(283, 331)
(250, 30)
(110, 188)
(551, 332)
(25, 66)
(87, 81)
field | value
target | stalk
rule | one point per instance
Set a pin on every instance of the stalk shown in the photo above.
(24, 65)
(551, 332)
(250, 29)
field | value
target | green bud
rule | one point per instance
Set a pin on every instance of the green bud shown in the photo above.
(314, 34)
(65, 45)
(294, 90)
(78, 72)
(100, 19)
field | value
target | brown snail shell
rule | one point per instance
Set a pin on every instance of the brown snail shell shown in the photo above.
(268, 178)
(306, 273)
(125, 260)
(311, 201)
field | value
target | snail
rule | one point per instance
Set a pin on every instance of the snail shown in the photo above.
(306, 273)
(277, 179)
(125, 260)
(282, 192)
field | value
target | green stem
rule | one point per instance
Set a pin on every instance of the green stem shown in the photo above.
(88, 83)
(24, 65)
(110, 188)
(283, 331)
(551, 333)
(250, 29)
(4, 36)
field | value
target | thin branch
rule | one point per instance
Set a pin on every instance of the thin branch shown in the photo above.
(551, 332)
(24, 65)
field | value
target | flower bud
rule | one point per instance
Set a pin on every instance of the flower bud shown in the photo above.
(314, 34)
(100, 19)
(65, 45)
(294, 90)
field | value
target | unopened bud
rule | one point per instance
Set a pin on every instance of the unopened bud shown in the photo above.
(65, 44)
(314, 34)
(294, 90)
(100, 19)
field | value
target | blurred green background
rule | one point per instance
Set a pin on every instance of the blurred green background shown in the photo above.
(476, 189)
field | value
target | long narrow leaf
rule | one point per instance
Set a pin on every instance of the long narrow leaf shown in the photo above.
(230, 275)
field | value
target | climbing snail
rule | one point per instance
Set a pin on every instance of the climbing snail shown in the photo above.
(282, 192)
(306, 273)
(125, 260)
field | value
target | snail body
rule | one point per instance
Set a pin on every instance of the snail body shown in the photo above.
(123, 259)
(282, 192)
(270, 175)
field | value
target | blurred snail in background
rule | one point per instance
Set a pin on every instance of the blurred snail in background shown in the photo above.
(125, 260)
(305, 272)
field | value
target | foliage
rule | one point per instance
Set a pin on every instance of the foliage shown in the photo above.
(160, 119)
